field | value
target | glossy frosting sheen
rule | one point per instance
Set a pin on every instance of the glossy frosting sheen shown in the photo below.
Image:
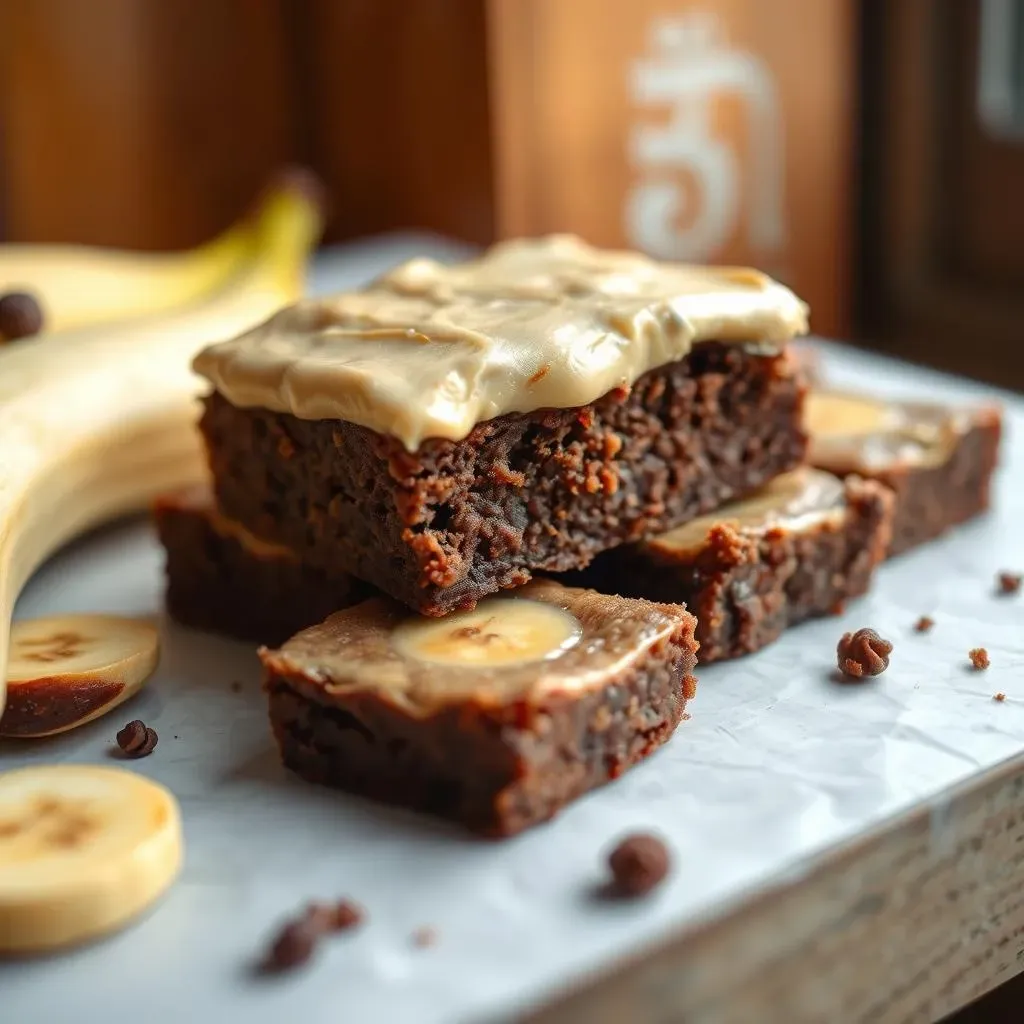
(856, 433)
(431, 350)
(795, 501)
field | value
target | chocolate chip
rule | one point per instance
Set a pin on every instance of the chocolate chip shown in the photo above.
(1009, 582)
(347, 915)
(863, 653)
(924, 624)
(136, 739)
(979, 657)
(293, 946)
(638, 864)
(20, 316)
(334, 917)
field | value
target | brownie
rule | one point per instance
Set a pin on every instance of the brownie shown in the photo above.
(937, 459)
(222, 579)
(801, 547)
(495, 718)
(439, 528)
(448, 431)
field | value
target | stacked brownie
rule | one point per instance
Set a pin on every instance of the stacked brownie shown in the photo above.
(392, 467)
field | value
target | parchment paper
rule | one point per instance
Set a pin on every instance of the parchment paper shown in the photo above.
(777, 764)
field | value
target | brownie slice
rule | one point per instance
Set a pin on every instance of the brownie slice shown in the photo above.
(495, 718)
(937, 459)
(799, 548)
(222, 579)
(440, 528)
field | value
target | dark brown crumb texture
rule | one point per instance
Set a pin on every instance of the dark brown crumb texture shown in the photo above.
(548, 490)
(932, 499)
(495, 769)
(746, 589)
(214, 583)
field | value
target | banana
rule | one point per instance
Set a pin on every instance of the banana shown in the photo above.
(66, 670)
(83, 850)
(499, 631)
(79, 285)
(95, 422)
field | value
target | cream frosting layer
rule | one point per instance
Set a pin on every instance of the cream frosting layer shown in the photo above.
(430, 351)
(795, 501)
(857, 433)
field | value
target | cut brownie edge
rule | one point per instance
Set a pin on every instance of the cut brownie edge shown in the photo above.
(545, 491)
(494, 765)
(938, 459)
(746, 587)
(932, 500)
(220, 580)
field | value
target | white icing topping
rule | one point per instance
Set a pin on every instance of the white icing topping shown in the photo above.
(431, 350)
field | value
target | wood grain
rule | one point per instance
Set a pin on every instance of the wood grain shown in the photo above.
(906, 924)
(565, 116)
(139, 123)
(400, 107)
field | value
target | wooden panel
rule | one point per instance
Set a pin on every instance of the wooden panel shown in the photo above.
(984, 239)
(141, 123)
(401, 114)
(717, 131)
(944, 257)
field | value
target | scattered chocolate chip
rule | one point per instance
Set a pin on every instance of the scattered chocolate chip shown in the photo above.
(334, 917)
(136, 739)
(1009, 582)
(979, 657)
(424, 937)
(20, 316)
(347, 915)
(638, 864)
(296, 942)
(924, 624)
(863, 653)
(294, 945)
(1000, 696)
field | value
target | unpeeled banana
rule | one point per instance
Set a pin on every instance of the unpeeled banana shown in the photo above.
(83, 850)
(95, 422)
(78, 285)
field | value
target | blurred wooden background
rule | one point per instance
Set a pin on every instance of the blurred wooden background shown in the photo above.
(850, 148)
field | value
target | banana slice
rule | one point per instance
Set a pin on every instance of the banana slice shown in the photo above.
(66, 670)
(499, 631)
(83, 850)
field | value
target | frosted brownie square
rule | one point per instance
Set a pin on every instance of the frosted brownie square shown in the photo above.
(450, 431)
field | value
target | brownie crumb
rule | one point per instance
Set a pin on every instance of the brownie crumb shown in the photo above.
(236, 687)
(863, 653)
(639, 863)
(1000, 696)
(345, 915)
(296, 942)
(924, 624)
(1009, 582)
(979, 657)
(136, 739)
(424, 937)
(294, 945)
